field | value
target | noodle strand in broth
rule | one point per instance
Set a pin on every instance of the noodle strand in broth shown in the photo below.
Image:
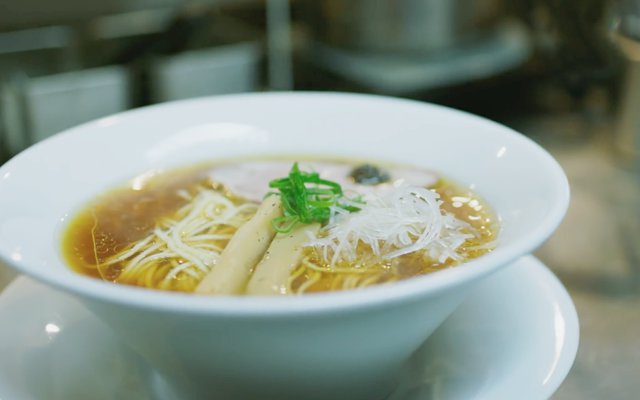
(184, 248)
(176, 235)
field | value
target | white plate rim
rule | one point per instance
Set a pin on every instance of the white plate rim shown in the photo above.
(562, 364)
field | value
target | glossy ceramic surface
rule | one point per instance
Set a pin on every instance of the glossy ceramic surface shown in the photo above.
(488, 348)
(284, 347)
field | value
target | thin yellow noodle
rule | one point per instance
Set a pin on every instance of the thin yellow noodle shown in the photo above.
(311, 265)
(343, 283)
(341, 278)
(369, 280)
(93, 241)
(159, 274)
(484, 246)
(177, 246)
(351, 281)
(184, 247)
(294, 275)
(144, 250)
(149, 277)
(148, 260)
(210, 237)
(175, 271)
(192, 273)
(145, 278)
(336, 270)
(140, 259)
(209, 247)
(337, 283)
(310, 282)
(174, 242)
(128, 253)
(168, 279)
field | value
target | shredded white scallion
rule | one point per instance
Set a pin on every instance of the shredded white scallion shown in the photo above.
(402, 221)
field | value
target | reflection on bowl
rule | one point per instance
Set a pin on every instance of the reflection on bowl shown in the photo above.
(336, 345)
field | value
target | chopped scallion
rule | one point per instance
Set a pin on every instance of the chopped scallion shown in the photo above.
(306, 198)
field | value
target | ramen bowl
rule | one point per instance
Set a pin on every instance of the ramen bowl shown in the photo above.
(340, 345)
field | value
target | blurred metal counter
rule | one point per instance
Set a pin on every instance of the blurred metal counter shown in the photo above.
(596, 254)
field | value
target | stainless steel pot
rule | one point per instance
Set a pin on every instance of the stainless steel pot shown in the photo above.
(401, 25)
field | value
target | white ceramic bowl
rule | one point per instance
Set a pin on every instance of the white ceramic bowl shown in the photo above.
(338, 345)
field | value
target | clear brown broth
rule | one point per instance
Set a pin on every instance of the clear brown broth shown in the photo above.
(125, 215)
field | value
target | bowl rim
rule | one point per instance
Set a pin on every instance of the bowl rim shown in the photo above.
(327, 302)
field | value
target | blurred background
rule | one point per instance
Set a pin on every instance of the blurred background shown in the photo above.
(565, 73)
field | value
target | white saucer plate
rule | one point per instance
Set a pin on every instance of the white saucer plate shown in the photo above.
(515, 337)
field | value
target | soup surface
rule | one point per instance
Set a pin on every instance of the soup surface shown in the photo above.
(195, 229)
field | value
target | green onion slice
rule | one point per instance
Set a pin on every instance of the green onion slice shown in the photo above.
(306, 198)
